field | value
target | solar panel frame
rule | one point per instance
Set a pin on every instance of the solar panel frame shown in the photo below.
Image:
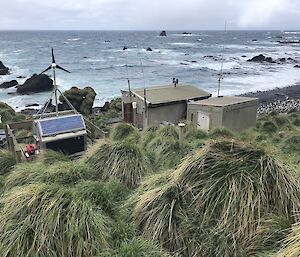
(60, 125)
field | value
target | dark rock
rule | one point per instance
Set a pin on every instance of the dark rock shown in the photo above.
(186, 33)
(194, 61)
(107, 41)
(282, 59)
(297, 66)
(9, 84)
(254, 40)
(105, 107)
(208, 56)
(269, 60)
(291, 59)
(149, 49)
(163, 33)
(21, 77)
(244, 56)
(258, 58)
(81, 99)
(29, 111)
(125, 48)
(3, 69)
(31, 105)
(289, 41)
(36, 83)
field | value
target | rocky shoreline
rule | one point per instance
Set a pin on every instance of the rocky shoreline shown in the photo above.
(280, 100)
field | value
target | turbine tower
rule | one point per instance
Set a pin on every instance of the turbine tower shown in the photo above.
(54, 66)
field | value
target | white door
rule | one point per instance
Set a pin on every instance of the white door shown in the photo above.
(203, 121)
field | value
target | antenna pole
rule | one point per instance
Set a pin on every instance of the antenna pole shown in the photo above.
(222, 56)
(55, 90)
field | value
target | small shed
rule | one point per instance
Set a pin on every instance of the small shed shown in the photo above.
(160, 104)
(61, 133)
(231, 112)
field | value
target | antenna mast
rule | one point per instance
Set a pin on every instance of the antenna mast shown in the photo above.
(222, 56)
(54, 66)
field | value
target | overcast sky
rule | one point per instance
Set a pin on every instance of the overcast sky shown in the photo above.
(149, 15)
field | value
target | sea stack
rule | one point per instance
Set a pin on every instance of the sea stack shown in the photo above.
(36, 83)
(3, 69)
(163, 33)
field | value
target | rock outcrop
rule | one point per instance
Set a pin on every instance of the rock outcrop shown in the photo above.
(163, 33)
(81, 99)
(9, 84)
(36, 83)
(258, 58)
(3, 69)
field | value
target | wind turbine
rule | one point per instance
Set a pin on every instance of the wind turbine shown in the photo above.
(54, 66)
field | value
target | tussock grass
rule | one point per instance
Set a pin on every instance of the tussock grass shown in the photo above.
(124, 131)
(137, 247)
(50, 157)
(7, 161)
(221, 132)
(63, 173)
(124, 162)
(107, 196)
(215, 203)
(291, 246)
(269, 127)
(41, 220)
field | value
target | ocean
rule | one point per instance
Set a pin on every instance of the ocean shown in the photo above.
(97, 59)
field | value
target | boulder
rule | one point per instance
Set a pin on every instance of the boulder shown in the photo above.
(297, 66)
(125, 48)
(163, 33)
(9, 84)
(282, 59)
(81, 99)
(36, 83)
(21, 77)
(186, 33)
(149, 49)
(258, 58)
(3, 69)
(269, 60)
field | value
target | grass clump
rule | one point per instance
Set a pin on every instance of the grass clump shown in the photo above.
(50, 157)
(62, 173)
(269, 127)
(41, 220)
(124, 131)
(138, 247)
(7, 161)
(291, 247)
(105, 195)
(214, 204)
(124, 162)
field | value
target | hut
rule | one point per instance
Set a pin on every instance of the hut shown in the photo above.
(160, 104)
(230, 112)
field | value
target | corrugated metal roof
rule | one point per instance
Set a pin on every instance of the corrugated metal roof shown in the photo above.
(169, 93)
(225, 100)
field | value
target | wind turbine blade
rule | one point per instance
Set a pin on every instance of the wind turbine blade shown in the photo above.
(58, 67)
(53, 59)
(46, 70)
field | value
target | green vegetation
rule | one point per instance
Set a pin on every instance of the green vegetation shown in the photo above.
(7, 161)
(143, 193)
(123, 161)
(9, 115)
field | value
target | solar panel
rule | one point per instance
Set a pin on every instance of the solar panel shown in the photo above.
(61, 125)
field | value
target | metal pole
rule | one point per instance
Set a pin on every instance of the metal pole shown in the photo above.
(55, 91)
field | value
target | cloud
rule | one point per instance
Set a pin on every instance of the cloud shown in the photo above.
(145, 14)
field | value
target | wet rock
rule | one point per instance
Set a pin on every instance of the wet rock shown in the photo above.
(297, 66)
(32, 105)
(163, 33)
(258, 58)
(254, 40)
(9, 84)
(125, 48)
(244, 56)
(36, 83)
(21, 77)
(269, 60)
(3, 69)
(282, 59)
(149, 49)
(186, 33)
